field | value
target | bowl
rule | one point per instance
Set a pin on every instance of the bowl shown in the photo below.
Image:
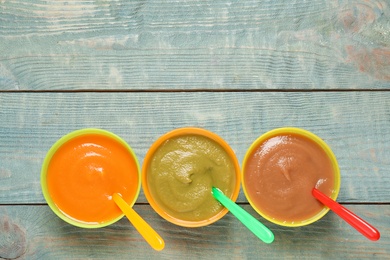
(279, 171)
(82, 170)
(179, 171)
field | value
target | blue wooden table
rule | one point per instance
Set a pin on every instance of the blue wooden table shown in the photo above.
(238, 68)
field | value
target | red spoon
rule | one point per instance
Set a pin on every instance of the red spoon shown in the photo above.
(359, 224)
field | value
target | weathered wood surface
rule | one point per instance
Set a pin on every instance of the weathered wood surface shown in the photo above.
(356, 125)
(238, 68)
(41, 235)
(52, 45)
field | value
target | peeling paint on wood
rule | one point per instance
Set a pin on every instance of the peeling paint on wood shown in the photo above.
(12, 239)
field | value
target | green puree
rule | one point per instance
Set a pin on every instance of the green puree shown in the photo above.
(182, 172)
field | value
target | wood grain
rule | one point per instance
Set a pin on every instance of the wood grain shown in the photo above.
(356, 125)
(49, 237)
(165, 45)
(238, 68)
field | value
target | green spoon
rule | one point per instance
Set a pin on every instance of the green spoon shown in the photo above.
(248, 220)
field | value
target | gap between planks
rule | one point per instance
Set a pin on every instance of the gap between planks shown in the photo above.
(193, 90)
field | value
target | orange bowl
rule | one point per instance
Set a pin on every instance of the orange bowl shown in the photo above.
(152, 188)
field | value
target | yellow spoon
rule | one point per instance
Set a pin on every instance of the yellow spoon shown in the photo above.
(146, 231)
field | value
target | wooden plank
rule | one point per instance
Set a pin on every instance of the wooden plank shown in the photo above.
(159, 44)
(42, 235)
(356, 125)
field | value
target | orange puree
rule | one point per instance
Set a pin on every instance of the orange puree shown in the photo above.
(85, 172)
(280, 174)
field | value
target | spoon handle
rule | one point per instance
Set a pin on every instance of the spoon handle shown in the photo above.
(147, 232)
(359, 224)
(248, 220)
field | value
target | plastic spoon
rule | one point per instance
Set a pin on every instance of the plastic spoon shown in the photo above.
(248, 220)
(148, 233)
(359, 224)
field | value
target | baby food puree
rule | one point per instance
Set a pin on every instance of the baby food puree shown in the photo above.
(280, 172)
(83, 172)
(181, 169)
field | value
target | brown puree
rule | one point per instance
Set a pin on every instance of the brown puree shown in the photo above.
(280, 174)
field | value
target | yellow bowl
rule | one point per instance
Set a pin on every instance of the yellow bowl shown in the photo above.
(69, 137)
(148, 191)
(321, 144)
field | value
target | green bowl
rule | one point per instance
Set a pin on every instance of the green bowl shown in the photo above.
(48, 158)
